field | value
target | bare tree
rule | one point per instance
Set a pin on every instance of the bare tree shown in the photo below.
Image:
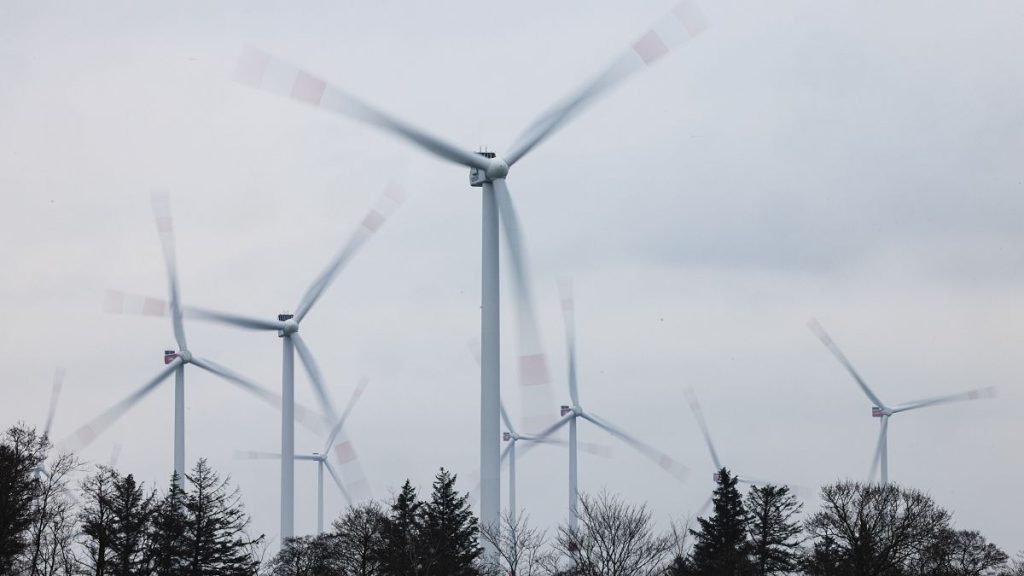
(876, 530)
(52, 531)
(614, 537)
(521, 549)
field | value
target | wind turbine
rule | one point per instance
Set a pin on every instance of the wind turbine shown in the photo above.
(698, 414)
(286, 326)
(883, 411)
(571, 412)
(58, 383)
(487, 171)
(175, 361)
(342, 450)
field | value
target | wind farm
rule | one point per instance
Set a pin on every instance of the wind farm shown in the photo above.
(360, 197)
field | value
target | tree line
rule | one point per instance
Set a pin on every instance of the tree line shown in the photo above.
(108, 524)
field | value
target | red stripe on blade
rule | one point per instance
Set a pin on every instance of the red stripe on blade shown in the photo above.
(308, 89)
(251, 67)
(650, 47)
(533, 370)
(344, 452)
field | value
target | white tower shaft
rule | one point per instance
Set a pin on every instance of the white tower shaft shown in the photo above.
(490, 383)
(287, 438)
(179, 424)
(573, 476)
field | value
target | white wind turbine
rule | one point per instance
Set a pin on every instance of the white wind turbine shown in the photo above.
(570, 413)
(343, 452)
(175, 361)
(698, 414)
(286, 326)
(883, 411)
(488, 172)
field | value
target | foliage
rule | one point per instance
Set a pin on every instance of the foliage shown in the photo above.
(775, 534)
(721, 546)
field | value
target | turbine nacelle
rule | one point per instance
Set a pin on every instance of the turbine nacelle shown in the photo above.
(290, 325)
(171, 355)
(879, 412)
(496, 168)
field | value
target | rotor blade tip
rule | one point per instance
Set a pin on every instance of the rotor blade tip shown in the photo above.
(252, 64)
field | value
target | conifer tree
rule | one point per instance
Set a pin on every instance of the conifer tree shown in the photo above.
(21, 452)
(775, 534)
(401, 554)
(449, 530)
(97, 518)
(131, 511)
(168, 551)
(720, 545)
(215, 537)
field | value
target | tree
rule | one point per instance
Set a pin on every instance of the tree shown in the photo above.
(721, 547)
(51, 547)
(97, 520)
(215, 537)
(360, 539)
(775, 534)
(401, 554)
(613, 537)
(960, 553)
(22, 451)
(449, 530)
(131, 511)
(874, 530)
(169, 553)
(309, 556)
(521, 549)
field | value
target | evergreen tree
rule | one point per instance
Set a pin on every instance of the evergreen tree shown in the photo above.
(97, 518)
(168, 551)
(216, 522)
(775, 534)
(449, 530)
(131, 511)
(400, 553)
(21, 453)
(720, 546)
(309, 556)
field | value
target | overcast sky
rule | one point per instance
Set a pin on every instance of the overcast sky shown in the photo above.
(855, 162)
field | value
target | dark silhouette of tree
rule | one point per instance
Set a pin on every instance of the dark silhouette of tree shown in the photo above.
(449, 530)
(168, 550)
(775, 533)
(309, 556)
(613, 537)
(401, 553)
(721, 546)
(21, 453)
(97, 519)
(215, 537)
(54, 526)
(360, 539)
(875, 530)
(521, 549)
(826, 558)
(959, 553)
(131, 512)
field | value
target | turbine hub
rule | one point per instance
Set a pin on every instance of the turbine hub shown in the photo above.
(497, 169)
(185, 356)
(290, 327)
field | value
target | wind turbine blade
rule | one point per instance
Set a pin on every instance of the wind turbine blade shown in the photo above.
(304, 416)
(115, 455)
(86, 434)
(232, 319)
(383, 209)
(505, 452)
(704, 508)
(543, 435)
(262, 70)
(315, 376)
(256, 455)
(58, 383)
(337, 481)
(165, 227)
(356, 395)
(505, 419)
(118, 302)
(663, 460)
(589, 447)
(683, 23)
(698, 414)
(876, 461)
(976, 394)
(534, 377)
(568, 315)
(819, 331)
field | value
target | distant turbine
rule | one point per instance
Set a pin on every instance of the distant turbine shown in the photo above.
(286, 327)
(698, 414)
(175, 361)
(343, 451)
(883, 411)
(487, 171)
(570, 413)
